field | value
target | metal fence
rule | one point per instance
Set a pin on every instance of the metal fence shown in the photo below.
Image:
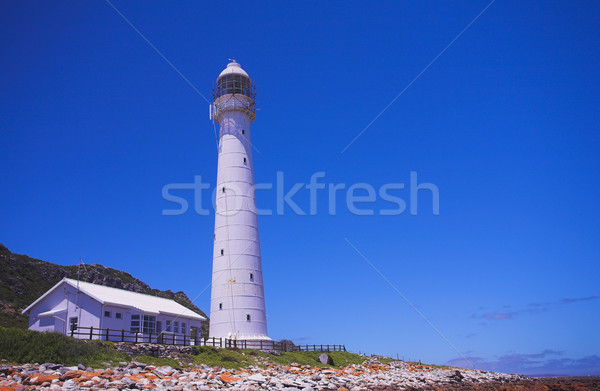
(165, 338)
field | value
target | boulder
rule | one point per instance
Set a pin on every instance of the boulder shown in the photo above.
(325, 359)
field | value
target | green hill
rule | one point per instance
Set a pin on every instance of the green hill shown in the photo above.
(23, 279)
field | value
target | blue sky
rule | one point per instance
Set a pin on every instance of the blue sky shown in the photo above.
(505, 123)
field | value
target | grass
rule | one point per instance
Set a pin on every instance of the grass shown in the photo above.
(231, 359)
(234, 359)
(26, 346)
(441, 366)
(310, 358)
(386, 360)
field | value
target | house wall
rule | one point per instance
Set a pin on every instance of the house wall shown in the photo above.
(65, 296)
(121, 327)
(53, 301)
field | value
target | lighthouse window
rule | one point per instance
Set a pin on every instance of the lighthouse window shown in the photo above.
(244, 160)
(251, 277)
(248, 317)
(222, 252)
(243, 131)
(220, 306)
(223, 189)
(233, 84)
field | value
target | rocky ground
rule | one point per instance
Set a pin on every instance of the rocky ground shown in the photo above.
(372, 375)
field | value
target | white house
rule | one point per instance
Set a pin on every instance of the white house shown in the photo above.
(74, 308)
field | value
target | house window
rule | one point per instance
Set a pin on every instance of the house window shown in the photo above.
(149, 324)
(248, 317)
(168, 325)
(73, 323)
(222, 252)
(135, 323)
(176, 327)
(220, 306)
(118, 315)
(183, 330)
(107, 314)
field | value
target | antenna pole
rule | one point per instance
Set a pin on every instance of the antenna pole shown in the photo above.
(77, 295)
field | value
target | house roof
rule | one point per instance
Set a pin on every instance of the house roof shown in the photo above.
(124, 298)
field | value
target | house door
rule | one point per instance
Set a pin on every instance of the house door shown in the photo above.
(158, 326)
(73, 325)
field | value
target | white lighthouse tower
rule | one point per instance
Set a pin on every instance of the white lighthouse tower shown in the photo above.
(237, 304)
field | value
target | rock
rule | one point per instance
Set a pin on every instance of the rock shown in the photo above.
(81, 367)
(139, 364)
(51, 366)
(372, 375)
(39, 379)
(457, 376)
(257, 378)
(229, 379)
(325, 359)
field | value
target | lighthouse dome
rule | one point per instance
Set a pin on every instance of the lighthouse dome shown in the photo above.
(233, 68)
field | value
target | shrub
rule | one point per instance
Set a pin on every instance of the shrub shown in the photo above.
(26, 346)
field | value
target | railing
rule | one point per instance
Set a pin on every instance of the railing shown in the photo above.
(166, 338)
(132, 336)
(234, 102)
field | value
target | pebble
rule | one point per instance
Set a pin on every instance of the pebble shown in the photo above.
(372, 374)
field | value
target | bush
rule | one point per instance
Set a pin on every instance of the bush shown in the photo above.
(26, 346)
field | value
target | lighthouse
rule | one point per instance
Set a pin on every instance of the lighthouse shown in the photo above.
(237, 303)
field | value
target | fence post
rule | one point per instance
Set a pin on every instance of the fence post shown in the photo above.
(91, 331)
(122, 335)
(136, 337)
(107, 329)
(72, 330)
